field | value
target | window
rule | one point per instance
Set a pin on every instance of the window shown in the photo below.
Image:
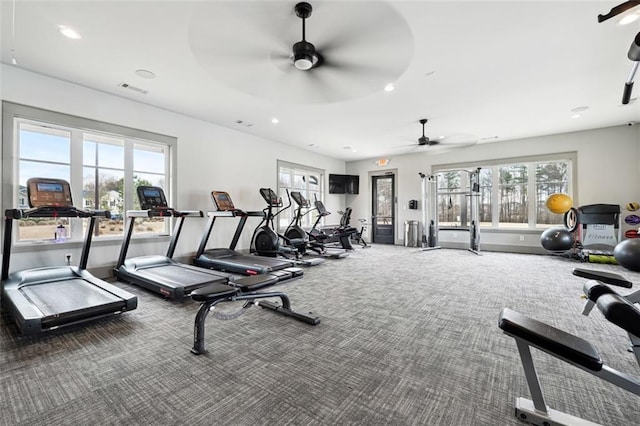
(513, 193)
(512, 187)
(306, 180)
(450, 200)
(104, 164)
(551, 178)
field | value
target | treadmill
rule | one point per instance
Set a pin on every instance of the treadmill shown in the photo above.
(44, 299)
(229, 260)
(162, 274)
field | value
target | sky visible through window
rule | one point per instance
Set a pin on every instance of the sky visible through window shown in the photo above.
(52, 153)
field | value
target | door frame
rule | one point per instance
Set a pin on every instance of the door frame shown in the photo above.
(370, 176)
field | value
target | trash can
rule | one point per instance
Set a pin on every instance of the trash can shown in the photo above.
(411, 233)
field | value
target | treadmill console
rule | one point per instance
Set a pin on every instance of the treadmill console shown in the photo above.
(271, 197)
(44, 192)
(222, 200)
(299, 199)
(151, 198)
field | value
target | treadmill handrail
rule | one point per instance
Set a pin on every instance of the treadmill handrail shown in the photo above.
(164, 212)
(235, 213)
(189, 213)
(54, 211)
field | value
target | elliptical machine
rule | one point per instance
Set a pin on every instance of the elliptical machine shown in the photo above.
(267, 242)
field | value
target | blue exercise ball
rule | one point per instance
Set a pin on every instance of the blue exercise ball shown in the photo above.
(557, 240)
(627, 254)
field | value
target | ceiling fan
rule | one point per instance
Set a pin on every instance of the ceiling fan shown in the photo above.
(255, 47)
(424, 140)
(304, 54)
(443, 144)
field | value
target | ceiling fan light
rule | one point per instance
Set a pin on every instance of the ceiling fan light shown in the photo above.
(303, 62)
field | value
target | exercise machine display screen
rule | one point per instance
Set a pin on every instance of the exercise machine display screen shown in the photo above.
(299, 199)
(222, 200)
(151, 197)
(271, 197)
(49, 193)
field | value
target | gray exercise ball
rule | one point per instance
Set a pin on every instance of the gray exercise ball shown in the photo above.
(627, 254)
(557, 240)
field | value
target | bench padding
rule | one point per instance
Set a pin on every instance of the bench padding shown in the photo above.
(594, 289)
(550, 339)
(620, 312)
(254, 282)
(213, 292)
(605, 277)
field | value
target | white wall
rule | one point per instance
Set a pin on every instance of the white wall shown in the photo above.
(608, 171)
(209, 157)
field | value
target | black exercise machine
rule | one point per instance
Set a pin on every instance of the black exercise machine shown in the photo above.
(161, 274)
(295, 232)
(592, 291)
(596, 230)
(340, 235)
(569, 348)
(248, 292)
(44, 299)
(345, 223)
(267, 242)
(228, 259)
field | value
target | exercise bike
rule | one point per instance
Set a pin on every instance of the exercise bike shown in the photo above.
(267, 242)
(345, 223)
(295, 232)
(340, 235)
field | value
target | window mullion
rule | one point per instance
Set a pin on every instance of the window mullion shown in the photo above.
(76, 176)
(495, 196)
(532, 195)
(128, 175)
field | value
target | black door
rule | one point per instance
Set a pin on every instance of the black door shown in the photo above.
(383, 209)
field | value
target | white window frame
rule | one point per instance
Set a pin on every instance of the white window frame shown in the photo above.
(530, 162)
(13, 114)
(306, 170)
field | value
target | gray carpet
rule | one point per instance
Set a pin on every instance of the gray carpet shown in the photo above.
(407, 337)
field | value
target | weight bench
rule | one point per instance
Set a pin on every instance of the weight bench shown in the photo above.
(592, 291)
(245, 288)
(572, 349)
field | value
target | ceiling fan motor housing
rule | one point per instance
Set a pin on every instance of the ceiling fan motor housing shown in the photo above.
(304, 55)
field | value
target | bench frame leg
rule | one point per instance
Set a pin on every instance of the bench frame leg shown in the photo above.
(536, 412)
(283, 309)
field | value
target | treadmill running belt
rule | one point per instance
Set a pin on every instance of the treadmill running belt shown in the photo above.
(179, 275)
(60, 297)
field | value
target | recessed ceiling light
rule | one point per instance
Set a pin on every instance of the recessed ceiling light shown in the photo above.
(487, 138)
(576, 116)
(274, 120)
(69, 32)
(441, 137)
(353, 150)
(629, 19)
(389, 87)
(145, 74)
(346, 147)
(580, 109)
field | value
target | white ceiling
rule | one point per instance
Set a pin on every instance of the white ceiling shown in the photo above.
(475, 69)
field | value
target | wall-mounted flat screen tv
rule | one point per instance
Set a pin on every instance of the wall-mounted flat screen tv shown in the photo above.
(344, 184)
